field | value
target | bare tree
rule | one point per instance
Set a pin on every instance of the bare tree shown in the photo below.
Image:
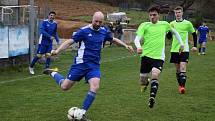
(187, 4)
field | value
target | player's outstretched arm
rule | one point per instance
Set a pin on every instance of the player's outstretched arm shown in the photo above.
(63, 46)
(137, 44)
(119, 42)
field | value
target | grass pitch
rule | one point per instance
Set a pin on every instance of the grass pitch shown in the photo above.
(37, 98)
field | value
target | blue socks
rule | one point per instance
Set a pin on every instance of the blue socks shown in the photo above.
(88, 100)
(203, 49)
(57, 77)
(48, 60)
(34, 61)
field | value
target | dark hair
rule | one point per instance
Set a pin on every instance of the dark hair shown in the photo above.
(52, 12)
(179, 8)
(154, 8)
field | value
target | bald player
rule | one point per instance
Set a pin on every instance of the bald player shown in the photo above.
(87, 61)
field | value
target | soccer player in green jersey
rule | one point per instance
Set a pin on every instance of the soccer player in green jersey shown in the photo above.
(180, 59)
(152, 50)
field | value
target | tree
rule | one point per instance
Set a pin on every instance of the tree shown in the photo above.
(187, 4)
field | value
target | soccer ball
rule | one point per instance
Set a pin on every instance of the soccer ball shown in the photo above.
(75, 113)
(79, 113)
(71, 112)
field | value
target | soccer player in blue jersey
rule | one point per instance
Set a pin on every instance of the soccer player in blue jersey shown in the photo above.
(203, 31)
(87, 61)
(48, 30)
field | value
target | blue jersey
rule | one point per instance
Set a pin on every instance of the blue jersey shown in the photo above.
(91, 44)
(203, 30)
(48, 29)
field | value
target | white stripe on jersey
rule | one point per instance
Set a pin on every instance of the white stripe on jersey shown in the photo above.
(79, 58)
(40, 39)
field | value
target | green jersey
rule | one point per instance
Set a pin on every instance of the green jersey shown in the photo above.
(154, 38)
(183, 28)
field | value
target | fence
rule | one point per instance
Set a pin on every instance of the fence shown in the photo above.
(128, 35)
(14, 35)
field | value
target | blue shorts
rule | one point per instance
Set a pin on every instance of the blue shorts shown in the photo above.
(78, 71)
(201, 40)
(42, 49)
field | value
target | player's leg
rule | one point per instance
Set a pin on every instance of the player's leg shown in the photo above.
(48, 56)
(144, 81)
(145, 69)
(177, 68)
(93, 78)
(40, 51)
(111, 43)
(48, 60)
(175, 58)
(103, 44)
(203, 47)
(183, 67)
(65, 84)
(155, 73)
(91, 94)
(182, 77)
(76, 73)
(200, 47)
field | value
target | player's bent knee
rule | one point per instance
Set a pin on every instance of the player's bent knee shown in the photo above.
(67, 84)
(39, 55)
(94, 84)
(144, 78)
(65, 87)
(48, 55)
(94, 87)
(155, 73)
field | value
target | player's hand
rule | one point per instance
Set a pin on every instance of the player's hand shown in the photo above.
(54, 52)
(181, 49)
(193, 49)
(139, 50)
(129, 48)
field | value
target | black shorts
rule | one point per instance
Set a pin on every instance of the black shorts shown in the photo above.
(148, 63)
(177, 58)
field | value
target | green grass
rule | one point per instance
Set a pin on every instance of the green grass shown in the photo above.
(137, 17)
(38, 98)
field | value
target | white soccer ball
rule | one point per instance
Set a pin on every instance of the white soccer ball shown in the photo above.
(78, 113)
(71, 112)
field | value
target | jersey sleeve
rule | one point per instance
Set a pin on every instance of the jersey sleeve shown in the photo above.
(199, 28)
(191, 28)
(168, 27)
(141, 30)
(43, 31)
(207, 30)
(108, 36)
(78, 36)
(56, 35)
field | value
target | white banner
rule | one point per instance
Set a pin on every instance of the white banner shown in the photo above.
(18, 40)
(3, 42)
